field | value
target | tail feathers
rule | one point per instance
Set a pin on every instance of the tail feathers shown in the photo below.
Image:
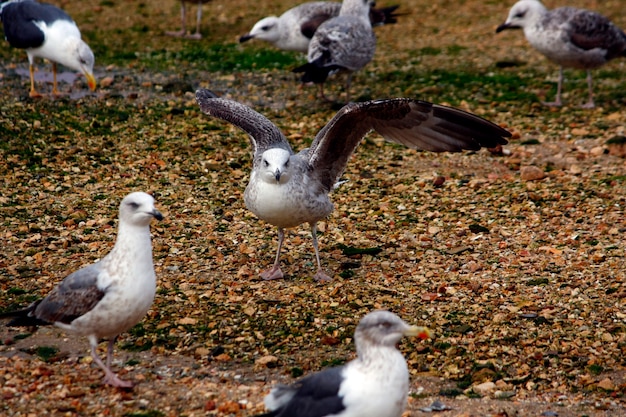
(23, 317)
(315, 72)
(384, 15)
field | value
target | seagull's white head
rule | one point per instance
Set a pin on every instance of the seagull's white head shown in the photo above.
(383, 328)
(265, 29)
(358, 8)
(274, 166)
(523, 14)
(138, 209)
(79, 57)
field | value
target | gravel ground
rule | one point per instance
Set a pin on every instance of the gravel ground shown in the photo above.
(515, 260)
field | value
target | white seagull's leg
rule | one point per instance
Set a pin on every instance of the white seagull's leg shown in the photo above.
(559, 86)
(320, 275)
(589, 104)
(275, 272)
(198, 35)
(109, 376)
(183, 18)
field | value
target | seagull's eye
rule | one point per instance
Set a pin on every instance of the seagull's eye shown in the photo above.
(265, 163)
(265, 28)
(520, 15)
(385, 325)
(133, 205)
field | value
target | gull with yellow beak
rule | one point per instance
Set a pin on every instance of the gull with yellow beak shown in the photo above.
(45, 31)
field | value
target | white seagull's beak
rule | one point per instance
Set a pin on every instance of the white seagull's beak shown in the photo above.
(91, 80)
(419, 331)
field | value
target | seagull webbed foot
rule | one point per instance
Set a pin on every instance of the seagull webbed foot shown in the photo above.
(178, 33)
(321, 276)
(115, 381)
(272, 273)
(195, 36)
(588, 105)
(556, 103)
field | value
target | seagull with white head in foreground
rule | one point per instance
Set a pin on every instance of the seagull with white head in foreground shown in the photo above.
(108, 297)
(375, 384)
(570, 37)
(287, 189)
(45, 31)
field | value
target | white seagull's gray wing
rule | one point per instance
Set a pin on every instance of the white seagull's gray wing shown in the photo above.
(313, 14)
(316, 395)
(345, 42)
(414, 123)
(589, 30)
(76, 295)
(263, 134)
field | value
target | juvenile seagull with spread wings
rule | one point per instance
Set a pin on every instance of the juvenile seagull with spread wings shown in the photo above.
(108, 297)
(570, 37)
(375, 384)
(288, 189)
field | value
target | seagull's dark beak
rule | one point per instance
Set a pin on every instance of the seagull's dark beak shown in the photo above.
(245, 38)
(157, 215)
(504, 26)
(277, 175)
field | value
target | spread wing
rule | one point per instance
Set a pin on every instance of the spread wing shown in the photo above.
(414, 123)
(263, 134)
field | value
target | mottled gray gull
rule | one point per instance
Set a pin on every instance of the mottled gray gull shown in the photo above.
(293, 30)
(570, 37)
(182, 33)
(375, 384)
(45, 31)
(288, 189)
(110, 296)
(343, 43)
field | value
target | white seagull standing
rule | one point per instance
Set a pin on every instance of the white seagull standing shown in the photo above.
(183, 17)
(45, 31)
(375, 384)
(288, 189)
(570, 37)
(293, 30)
(342, 43)
(108, 297)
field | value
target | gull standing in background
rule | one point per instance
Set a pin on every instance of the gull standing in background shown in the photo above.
(293, 30)
(288, 189)
(182, 33)
(343, 43)
(110, 296)
(570, 37)
(45, 31)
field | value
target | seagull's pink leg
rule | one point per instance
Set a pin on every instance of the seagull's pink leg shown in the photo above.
(559, 86)
(109, 376)
(275, 272)
(183, 18)
(197, 35)
(589, 104)
(320, 275)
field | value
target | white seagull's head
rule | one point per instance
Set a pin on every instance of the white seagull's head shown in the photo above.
(274, 166)
(265, 29)
(523, 15)
(138, 209)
